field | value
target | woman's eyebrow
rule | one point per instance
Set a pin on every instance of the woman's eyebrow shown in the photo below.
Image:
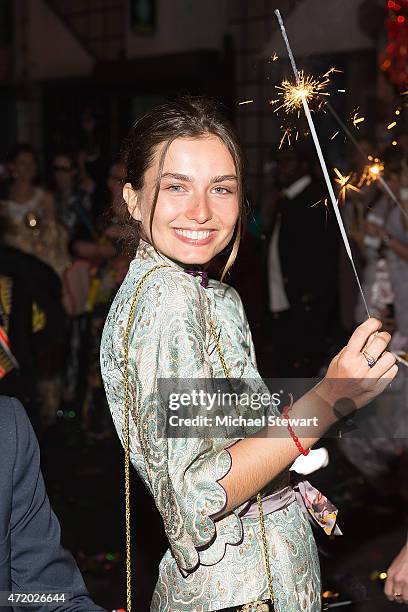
(188, 179)
(223, 177)
(178, 177)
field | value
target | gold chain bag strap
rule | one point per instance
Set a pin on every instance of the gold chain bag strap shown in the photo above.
(257, 606)
(126, 442)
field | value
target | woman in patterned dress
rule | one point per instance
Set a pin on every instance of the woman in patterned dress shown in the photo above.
(184, 195)
(30, 213)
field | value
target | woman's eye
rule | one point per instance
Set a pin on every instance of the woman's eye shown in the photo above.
(175, 188)
(221, 190)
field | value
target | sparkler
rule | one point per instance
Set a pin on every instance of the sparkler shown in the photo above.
(287, 134)
(371, 172)
(306, 109)
(309, 87)
(245, 102)
(356, 119)
(345, 184)
(381, 180)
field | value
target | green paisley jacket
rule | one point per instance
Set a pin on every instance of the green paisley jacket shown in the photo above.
(211, 563)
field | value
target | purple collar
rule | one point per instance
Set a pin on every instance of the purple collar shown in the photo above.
(202, 274)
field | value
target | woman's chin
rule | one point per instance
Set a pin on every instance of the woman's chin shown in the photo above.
(189, 255)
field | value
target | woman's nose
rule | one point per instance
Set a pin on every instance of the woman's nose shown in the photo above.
(199, 209)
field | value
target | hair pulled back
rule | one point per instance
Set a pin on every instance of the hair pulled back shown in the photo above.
(183, 117)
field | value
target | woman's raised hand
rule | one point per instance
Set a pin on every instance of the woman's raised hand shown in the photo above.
(362, 369)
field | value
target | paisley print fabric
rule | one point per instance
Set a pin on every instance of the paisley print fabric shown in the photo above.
(212, 564)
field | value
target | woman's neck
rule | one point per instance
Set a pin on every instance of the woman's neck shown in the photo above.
(21, 192)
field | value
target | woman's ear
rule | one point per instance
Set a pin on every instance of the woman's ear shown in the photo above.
(131, 198)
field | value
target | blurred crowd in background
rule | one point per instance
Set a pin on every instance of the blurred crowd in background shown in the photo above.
(60, 266)
(61, 262)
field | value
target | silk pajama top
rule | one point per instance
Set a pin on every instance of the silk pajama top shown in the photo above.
(210, 564)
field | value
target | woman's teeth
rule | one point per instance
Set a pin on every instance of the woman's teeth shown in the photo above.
(194, 235)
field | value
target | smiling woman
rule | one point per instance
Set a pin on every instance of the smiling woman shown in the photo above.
(230, 546)
(197, 206)
(165, 152)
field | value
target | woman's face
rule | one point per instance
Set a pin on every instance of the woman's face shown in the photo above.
(25, 166)
(197, 207)
(64, 172)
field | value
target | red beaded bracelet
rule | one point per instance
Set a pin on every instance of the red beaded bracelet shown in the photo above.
(285, 414)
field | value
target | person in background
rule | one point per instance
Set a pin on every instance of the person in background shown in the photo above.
(92, 160)
(75, 210)
(353, 213)
(300, 268)
(32, 228)
(31, 325)
(108, 274)
(30, 212)
(385, 240)
(31, 556)
(73, 204)
(396, 584)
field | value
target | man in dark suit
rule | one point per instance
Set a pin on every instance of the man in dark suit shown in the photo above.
(301, 267)
(32, 326)
(32, 559)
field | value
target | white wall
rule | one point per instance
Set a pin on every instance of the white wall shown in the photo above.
(316, 27)
(52, 51)
(181, 25)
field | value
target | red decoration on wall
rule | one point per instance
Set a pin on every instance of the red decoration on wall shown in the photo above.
(394, 59)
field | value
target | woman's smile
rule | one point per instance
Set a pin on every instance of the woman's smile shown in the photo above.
(195, 237)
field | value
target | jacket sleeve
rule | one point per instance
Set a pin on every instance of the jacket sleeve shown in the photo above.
(38, 561)
(170, 340)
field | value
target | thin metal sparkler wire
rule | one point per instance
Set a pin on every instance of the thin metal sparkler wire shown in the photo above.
(380, 179)
(322, 162)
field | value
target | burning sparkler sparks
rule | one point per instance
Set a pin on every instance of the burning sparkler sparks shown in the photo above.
(371, 172)
(245, 102)
(325, 204)
(345, 184)
(393, 124)
(334, 136)
(288, 135)
(322, 161)
(308, 87)
(356, 119)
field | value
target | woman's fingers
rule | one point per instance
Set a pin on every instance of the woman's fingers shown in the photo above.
(361, 334)
(396, 586)
(377, 343)
(383, 365)
(390, 374)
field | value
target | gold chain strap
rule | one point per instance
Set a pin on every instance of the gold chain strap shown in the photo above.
(126, 443)
(258, 497)
(126, 433)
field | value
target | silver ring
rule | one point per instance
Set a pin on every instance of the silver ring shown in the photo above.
(370, 359)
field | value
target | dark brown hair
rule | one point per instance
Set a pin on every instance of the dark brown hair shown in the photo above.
(184, 117)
